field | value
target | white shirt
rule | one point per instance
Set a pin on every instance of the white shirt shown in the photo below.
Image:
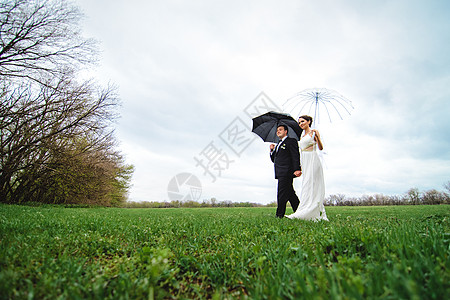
(279, 144)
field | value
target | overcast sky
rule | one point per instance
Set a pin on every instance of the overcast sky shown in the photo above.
(189, 72)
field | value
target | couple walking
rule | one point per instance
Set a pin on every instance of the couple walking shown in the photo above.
(287, 159)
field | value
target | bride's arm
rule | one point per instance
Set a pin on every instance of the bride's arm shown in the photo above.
(318, 140)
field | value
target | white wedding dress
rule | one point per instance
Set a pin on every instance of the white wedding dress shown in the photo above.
(313, 185)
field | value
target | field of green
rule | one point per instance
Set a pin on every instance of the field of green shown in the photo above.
(395, 252)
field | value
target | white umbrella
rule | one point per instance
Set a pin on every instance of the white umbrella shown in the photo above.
(323, 105)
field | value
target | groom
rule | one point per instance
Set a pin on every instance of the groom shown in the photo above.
(286, 158)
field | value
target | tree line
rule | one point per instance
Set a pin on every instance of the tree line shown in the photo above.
(412, 197)
(57, 138)
(189, 204)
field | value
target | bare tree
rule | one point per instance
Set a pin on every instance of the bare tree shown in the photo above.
(41, 36)
(335, 199)
(413, 196)
(77, 175)
(36, 128)
(56, 136)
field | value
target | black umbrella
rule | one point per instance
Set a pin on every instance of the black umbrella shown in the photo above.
(266, 126)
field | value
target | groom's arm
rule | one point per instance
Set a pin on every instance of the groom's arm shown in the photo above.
(272, 152)
(295, 155)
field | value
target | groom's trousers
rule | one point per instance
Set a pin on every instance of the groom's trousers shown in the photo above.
(286, 193)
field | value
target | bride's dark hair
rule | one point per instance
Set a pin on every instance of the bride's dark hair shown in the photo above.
(307, 118)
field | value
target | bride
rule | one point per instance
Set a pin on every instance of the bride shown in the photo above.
(313, 185)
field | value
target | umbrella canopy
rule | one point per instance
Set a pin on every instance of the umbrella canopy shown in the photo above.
(266, 125)
(323, 105)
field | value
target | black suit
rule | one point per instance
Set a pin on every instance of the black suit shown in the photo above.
(286, 161)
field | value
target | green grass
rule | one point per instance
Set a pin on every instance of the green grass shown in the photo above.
(395, 252)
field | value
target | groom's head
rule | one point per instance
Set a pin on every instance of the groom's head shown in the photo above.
(282, 131)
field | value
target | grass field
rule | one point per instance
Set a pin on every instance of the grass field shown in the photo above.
(395, 252)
